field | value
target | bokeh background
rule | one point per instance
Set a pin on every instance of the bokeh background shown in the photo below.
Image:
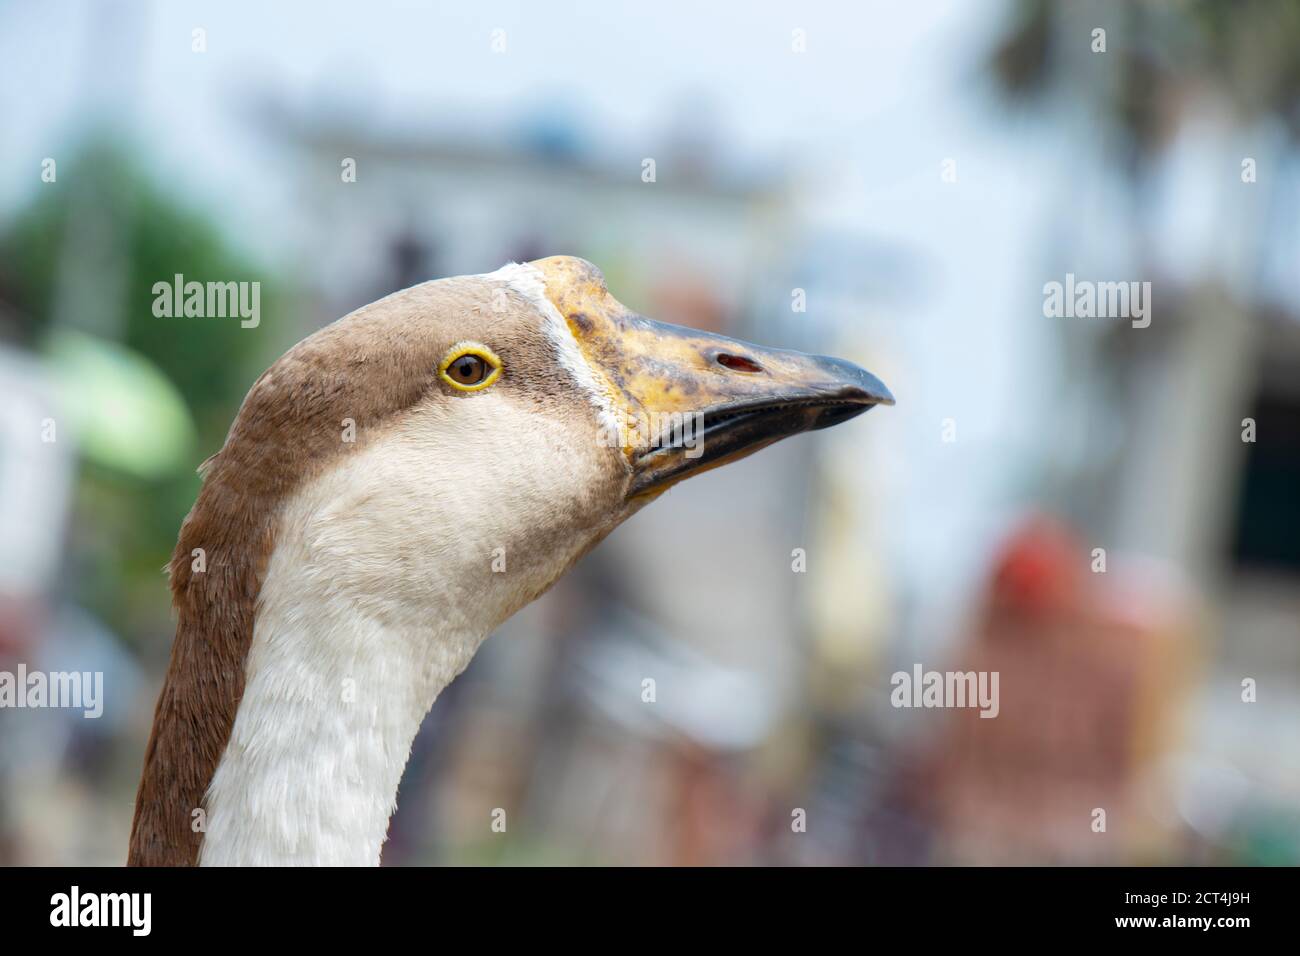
(919, 172)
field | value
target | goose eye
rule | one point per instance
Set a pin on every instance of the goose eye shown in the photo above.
(470, 367)
(467, 370)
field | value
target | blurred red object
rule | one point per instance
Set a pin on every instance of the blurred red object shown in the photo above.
(1039, 569)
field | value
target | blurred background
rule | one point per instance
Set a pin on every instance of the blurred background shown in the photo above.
(893, 183)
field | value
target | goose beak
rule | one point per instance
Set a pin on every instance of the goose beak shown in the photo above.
(725, 399)
(692, 400)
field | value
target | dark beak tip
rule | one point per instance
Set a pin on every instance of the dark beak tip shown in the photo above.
(879, 395)
(860, 385)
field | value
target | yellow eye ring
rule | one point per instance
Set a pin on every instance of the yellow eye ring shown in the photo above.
(483, 369)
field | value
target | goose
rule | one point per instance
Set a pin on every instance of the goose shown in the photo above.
(392, 489)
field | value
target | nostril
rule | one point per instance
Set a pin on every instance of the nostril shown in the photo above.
(738, 363)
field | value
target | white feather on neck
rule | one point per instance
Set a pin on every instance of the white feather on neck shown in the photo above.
(331, 707)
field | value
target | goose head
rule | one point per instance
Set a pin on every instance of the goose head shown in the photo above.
(392, 489)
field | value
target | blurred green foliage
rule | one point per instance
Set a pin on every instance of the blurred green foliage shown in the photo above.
(106, 225)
